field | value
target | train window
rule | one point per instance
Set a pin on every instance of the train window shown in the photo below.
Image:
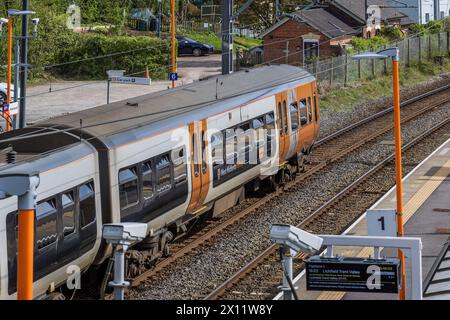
(195, 155)
(309, 110)
(203, 152)
(230, 150)
(217, 148)
(270, 124)
(270, 138)
(316, 111)
(87, 204)
(147, 180)
(280, 118)
(128, 188)
(68, 213)
(46, 232)
(258, 123)
(294, 116)
(303, 112)
(163, 174)
(285, 117)
(179, 166)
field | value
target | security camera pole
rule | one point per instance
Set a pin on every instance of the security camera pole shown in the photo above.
(23, 185)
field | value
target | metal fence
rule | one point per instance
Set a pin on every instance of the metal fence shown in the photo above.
(342, 70)
(198, 26)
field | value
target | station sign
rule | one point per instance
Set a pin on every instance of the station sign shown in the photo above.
(173, 76)
(132, 80)
(117, 76)
(353, 274)
(382, 223)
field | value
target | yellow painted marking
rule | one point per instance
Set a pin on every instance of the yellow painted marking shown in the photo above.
(408, 211)
(197, 211)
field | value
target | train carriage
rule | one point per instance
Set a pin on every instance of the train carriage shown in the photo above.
(164, 159)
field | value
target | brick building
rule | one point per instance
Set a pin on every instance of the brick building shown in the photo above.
(305, 36)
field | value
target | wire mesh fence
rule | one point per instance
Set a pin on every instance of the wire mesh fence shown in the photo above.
(341, 70)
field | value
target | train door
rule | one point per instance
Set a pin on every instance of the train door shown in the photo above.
(282, 125)
(316, 110)
(199, 166)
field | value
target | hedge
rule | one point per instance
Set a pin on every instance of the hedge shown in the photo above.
(57, 45)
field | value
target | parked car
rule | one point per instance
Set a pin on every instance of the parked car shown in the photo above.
(3, 92)
(188, 46)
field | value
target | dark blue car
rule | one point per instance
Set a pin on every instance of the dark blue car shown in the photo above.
(188, 46)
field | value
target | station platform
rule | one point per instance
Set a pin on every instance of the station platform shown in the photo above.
(426, 199)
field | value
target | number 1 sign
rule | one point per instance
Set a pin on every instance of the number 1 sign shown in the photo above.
(382, 223)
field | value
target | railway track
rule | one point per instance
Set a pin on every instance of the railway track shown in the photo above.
(327, 151)
(261, 276)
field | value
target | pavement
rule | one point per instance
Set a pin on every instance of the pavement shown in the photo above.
(64, 97)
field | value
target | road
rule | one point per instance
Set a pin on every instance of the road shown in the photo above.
(54, 99)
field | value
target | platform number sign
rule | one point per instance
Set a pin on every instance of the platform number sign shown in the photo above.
(382, 223)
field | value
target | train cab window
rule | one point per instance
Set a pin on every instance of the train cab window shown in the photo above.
(128, 188)
(309, 110)
(179, 166)
(163, 174)
(285, 117)
(68, 213)
(294, 116)
(316, 111)
(303, 112)
(280, 118)
(46, 232)
(87, 204)
(147, 180)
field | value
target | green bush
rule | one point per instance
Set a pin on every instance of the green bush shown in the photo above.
(392, 33)
(432, 27)
(136, 53)
(361, 44)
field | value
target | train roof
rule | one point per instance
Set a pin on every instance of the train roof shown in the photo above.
(175, 107)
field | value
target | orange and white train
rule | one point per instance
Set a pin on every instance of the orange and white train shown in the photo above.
(164, 159)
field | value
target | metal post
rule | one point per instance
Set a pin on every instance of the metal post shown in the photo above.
(359, 68)
(108, 88)
(408, 61)
(25, 257)
(346, 70)
(398, 164)
(16, 78)
(24, 187)
(331, 72)
(420, 49)
(173, 42)
(119, 273)
(287, 265)
(227, 37)
(23, 67)
(8, 84)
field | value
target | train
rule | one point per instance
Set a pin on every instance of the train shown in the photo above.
(165, 159)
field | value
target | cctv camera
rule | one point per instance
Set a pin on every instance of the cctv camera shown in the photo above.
(2, 22)
(124, 233)
(295, 238)
(36, 23)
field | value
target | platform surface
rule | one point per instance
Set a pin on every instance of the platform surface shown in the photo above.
(426, 200)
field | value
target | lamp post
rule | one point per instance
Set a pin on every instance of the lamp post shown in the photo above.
(393, 53)
(173, 43)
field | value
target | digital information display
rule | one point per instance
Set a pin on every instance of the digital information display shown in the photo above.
(353, 274)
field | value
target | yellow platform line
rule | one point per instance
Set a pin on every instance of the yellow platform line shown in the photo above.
(408, 211)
